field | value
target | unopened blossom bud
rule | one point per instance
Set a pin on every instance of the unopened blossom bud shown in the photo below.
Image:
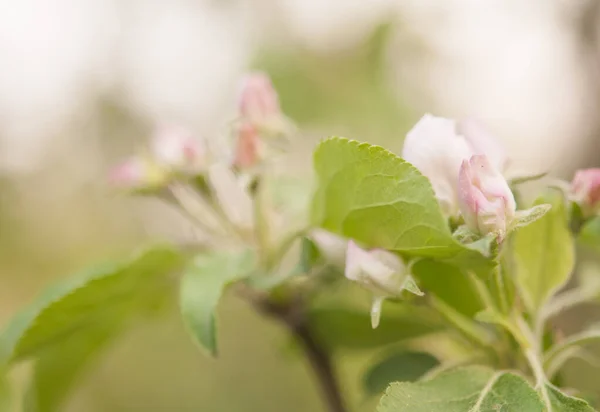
(177, 150)
(137, 174)
(585, 190)
(379, 270)
(486, 201)
(248, 147)
(258, 101)
(437, 146)
(382, 272)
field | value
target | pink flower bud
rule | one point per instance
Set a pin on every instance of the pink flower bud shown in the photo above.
(585, 190)
(136, 174)
(437, 147)
(486, 202)
(177, 150)
(247, 147)
(379, 270)
(258, 101)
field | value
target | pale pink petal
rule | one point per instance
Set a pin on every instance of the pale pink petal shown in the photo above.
(247, 146)
(486, 201)
(176, 148)
(483, 142)
(129, 174)
(258, 100)
(434, 148)
(354, 256)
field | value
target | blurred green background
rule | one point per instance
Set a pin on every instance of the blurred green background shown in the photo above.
(85, 82)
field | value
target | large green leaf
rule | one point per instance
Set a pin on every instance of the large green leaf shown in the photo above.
(397, 367)
(470, 389)
(543, 255)
(70, 322)
(104, 294)
(346, 327)
(58, 368)
(369, 194)
(202, 287)
(562, 402)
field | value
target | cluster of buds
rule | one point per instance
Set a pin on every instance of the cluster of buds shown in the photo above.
(260, 119)
(465, 166)
(213, 190)
(174, 152)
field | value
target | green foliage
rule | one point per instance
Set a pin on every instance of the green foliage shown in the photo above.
(5, 394)
(58, 368)
(562, 402)
(472, 389)
(350, 328)
(590, 233)
(449, 284)
(201, 289)
(67, 325)
(543, 255)
(397, 367)
(105, 294)
(557, 352)
(528, 216)
(367, 193)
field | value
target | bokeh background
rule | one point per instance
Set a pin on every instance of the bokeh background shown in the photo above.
(82, 82)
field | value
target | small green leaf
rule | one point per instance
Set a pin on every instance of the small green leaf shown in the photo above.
(562, 402)
(201, 289)
(528, 216)
(524, 179)
(555, 352)
(346, 327)
(543, 255)
(397, 367)
(469, 389)
(309, 254)
(411, 286)
(368, 194)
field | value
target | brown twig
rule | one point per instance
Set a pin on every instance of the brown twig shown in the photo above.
(293, 316)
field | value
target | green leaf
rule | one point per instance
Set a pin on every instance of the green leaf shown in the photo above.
(590, 233)
(449, 284)
(524, 179)
(369, 194)
(528, 216)
(103, 294)
(397, 367)
(543, 255)
(67, 325)
(201, 289)
(346, 327)
(471, 389)
(555, 353)
(309, 255)
(562, 402)
(58, 368)
(5, 394)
